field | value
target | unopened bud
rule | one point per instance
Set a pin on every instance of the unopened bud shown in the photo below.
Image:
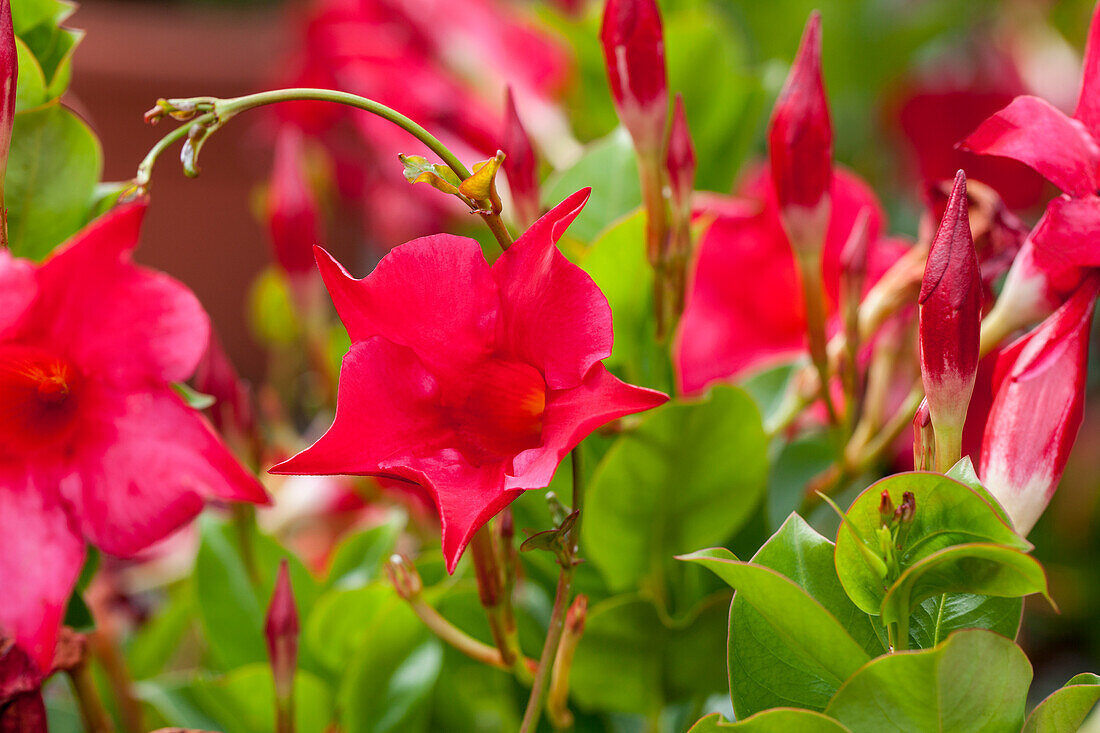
(9, 77)
(520, 165)
(885, 508)
(281, 630)
(634, 51)
(950, 308)
(404, 577)
(800, 143)
(576, 615)
(294, 221)
(680, 159)
(924, 441)
(907, 509)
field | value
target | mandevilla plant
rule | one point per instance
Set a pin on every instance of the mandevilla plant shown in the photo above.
(502, 481)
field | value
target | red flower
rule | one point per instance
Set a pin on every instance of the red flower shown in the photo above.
(94, 443)
(634, 53)
(1065, 150)
(800, 136)
(744, 307)
(950, 321)
(472, 381)
(1039, 383)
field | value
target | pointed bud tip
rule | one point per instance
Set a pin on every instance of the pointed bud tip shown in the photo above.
(282, 613)
(680, 159)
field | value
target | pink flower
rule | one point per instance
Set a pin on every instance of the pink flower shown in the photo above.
(1039, 383)
(95, 445)
(800, 135)
(950, 320)
(744, 306)
(634, 52)
(472, 381)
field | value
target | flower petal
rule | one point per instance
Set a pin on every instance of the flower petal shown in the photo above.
(1088, 100)
(434, 295)
(744, 305)
(1067, 237)
(1033, 132)
(388, 404)
(554, 316)
(571, 415)
(42, 557)
(145, 464)
(123, 322)
(17, 289)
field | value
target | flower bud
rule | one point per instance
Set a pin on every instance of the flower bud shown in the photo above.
(924, 442)
(293, 214)
(404, 577)
(1037, 410)
(281, 630)
(680, 158)
(634, 50)
(800, 139)
(885, 508)
(9, 76)
(520, 164)
(950, 321)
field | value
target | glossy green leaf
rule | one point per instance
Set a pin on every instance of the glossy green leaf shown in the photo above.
(689, 476)
(31, 88)
(947, 513)
(243, 701)
(609, 167)
(358, 558)
(985, 569)
(796, 464)
(191, 397)
(617, 262)
(1065, 709)
(975, 681)
(788, 720)
(54, 165)
(804, 654)
(933, 620)
(625, 639)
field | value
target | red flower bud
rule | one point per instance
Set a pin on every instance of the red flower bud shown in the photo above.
(924, 446)
(800, 136)
(1037, 410)
(520, 164)
(9, 76)
(634, 50)
(950, 323)
(281, 630)
(680, 158)
(294, 220)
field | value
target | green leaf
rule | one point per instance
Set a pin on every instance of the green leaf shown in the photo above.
(1065, 709)
(933, 620)
(964, 472)
(30, 90)
(625, 639)
(974, 681)
(798, 461)
(985, 569)
(688, 476)
(155, 642)
(806, 653)
(231, 609)
(29, 14)
(788, 720)
(358, 558)
(607, 166)
(947, 513)
(617, 263)
(724, 104)
(243, 701)
(191, 397)
(53, 167)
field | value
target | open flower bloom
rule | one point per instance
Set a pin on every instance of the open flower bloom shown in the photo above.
(1039, 388)
(472, 381)
(1066, 151)
(744, 306)
(94, 442)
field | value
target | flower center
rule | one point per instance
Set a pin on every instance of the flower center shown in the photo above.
(502, 413)
(37, 398)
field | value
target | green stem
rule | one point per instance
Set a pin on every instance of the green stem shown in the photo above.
(451, 634)
(219, 111)
(656, 235)
(813, 295)
(92, 713)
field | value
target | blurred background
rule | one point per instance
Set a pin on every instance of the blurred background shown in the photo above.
(906, 78)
